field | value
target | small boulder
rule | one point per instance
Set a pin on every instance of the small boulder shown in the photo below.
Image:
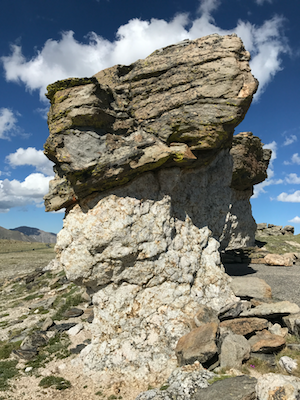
(278, 260)
(234, 350)
(198, 345)
(272, 309)
(237, 388)
(251, 287)
(245, 326)
(292, 322)
(276, 329)
(288, 364)
(276, 386)
(266, 342)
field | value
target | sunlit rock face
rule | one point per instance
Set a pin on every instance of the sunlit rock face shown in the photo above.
(154, 186)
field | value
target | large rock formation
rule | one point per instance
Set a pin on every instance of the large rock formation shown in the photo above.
(145, 166)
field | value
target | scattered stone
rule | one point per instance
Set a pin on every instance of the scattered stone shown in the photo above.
(25, 354)
(231, 311)
(251, 287)
(288, 364)
(272, 310)
(292, 321)
(265, 342)
(34, 341)
(63, 327)
(245, 326)
(234, 350)
(276, 329)
(46, 304)
(89, 314)
(276, 386)
(78, 348)
(274, 230)
(73, 313)
(75, 330)
(47, 324)
(197, 345)
(278, 260)
(237, 388)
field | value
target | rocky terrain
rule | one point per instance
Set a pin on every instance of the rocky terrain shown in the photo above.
(46, 320)
(156, 188)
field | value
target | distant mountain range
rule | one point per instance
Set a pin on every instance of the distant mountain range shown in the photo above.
(27, 234)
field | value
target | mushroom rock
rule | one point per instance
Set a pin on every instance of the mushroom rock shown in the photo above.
(153, 182)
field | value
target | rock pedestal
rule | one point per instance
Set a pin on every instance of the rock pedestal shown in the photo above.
(150, 175)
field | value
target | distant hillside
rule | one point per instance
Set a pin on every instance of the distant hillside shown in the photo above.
(27, 234)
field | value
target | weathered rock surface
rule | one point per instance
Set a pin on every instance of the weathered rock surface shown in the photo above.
(237, 388)
(275, 386)
(107, 129)
(264, 229)
(280, 308)
(251, 287)
(266, 342)
(250, 161)
(148, 169)
(278, 260)
(245, 326)
(198, 345)
(234, 350)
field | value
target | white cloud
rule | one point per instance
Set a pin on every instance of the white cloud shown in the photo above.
(294, 160)
(8, 123)
(289, 198)
(207, 6)
(260, 188)
(293, 178)
(18, 194)
(295, 220)
(60, 59)
(31, 156)
(261, 2)
(290, 139)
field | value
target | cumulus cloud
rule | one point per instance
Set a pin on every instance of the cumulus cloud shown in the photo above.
(31, 156)
(8, 123)
(18, 194)
(293, 178)
(294, 160)
(289, 198)
(260, 188)
(67, 57)
(289, 140)
(295, 220)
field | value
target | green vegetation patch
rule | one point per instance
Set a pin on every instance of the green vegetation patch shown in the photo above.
(56, 348)
(72, 300)
(280, 244)
(8, 370)
(7, 347)
(58, 382)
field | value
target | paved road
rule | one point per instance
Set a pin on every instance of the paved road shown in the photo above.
(284, 281)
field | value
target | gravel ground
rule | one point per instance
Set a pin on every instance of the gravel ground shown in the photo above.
(284, 281)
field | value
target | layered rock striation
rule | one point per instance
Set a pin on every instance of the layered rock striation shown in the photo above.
(153, 183)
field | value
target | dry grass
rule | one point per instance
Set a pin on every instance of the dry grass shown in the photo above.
(18, 257)
(281, 244)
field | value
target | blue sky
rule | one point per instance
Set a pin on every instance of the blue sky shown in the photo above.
(43, 41)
